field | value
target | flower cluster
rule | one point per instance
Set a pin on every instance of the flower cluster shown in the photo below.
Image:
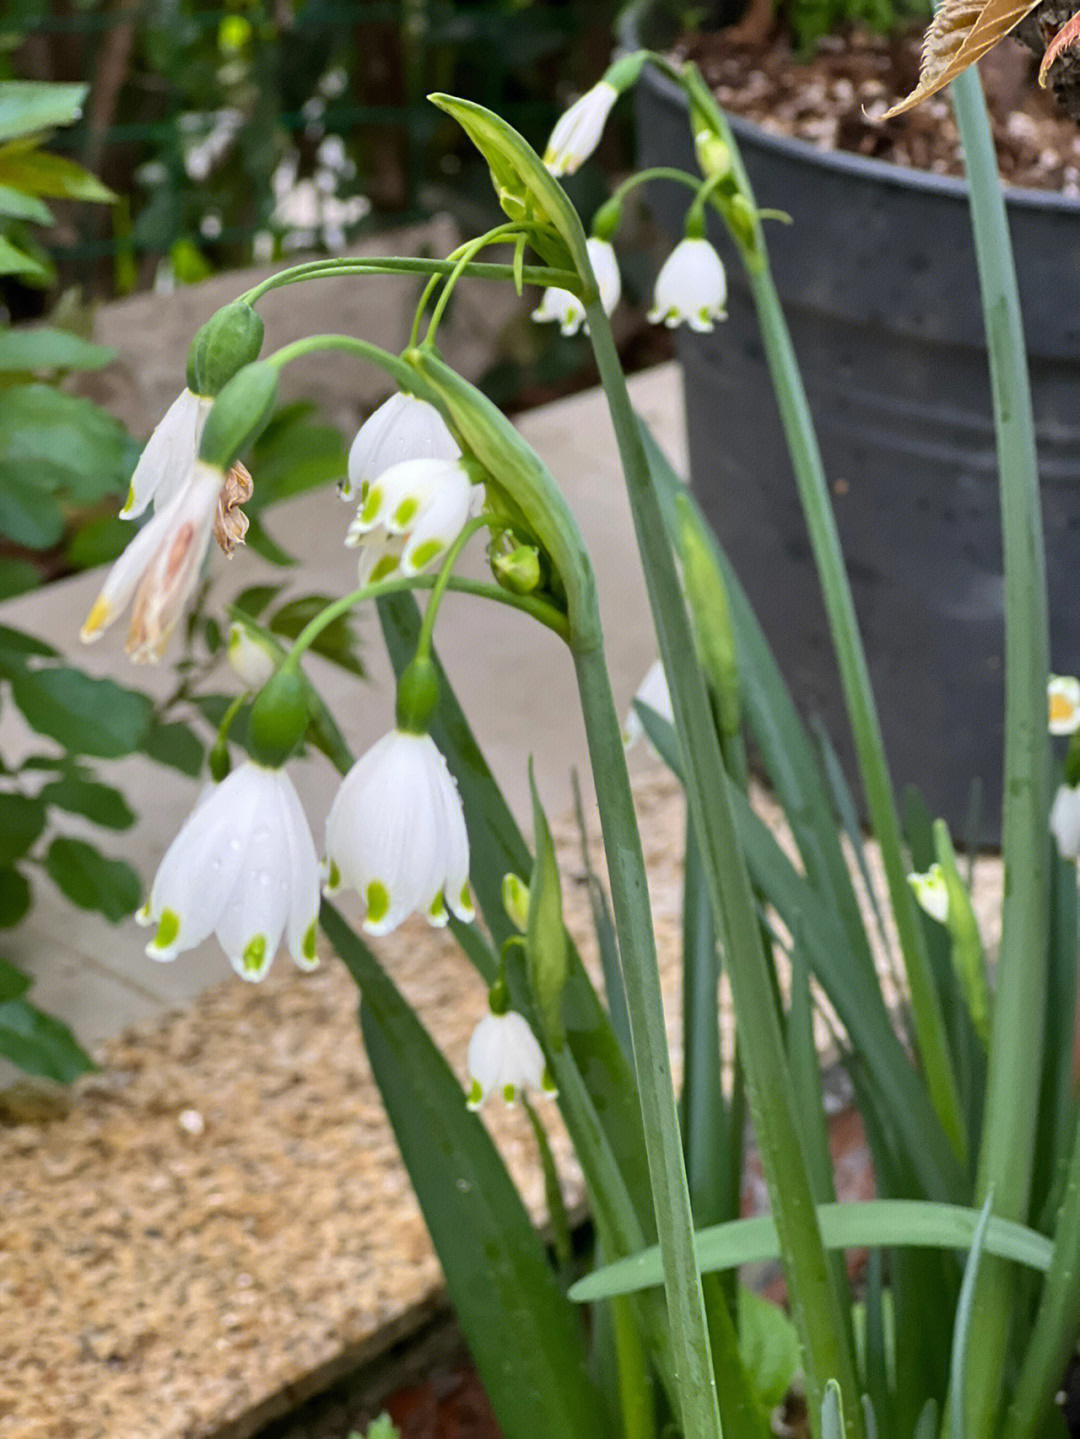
(1063, 704)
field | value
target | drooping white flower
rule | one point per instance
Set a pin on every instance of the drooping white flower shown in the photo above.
(691, 287)
(566, 308)
(652, 691)
(169, 454)
(411, 513)
(931, 892)
(577, 131)
(160, 567)
(243, 867)
(402, 428)
(1065, 821)
(396, 834)
(505, 1058)
(1063, 695)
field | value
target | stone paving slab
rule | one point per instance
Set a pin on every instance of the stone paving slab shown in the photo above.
(514, 679)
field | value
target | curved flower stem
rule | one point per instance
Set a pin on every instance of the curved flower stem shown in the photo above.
(540, 275)
(446, 574)
(815, 1300)
(527, 604)
(501, 235)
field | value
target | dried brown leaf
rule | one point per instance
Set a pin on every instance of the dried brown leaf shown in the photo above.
(1065, 39)
(960, 32)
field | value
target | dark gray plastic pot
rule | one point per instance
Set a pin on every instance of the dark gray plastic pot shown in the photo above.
(878, 282)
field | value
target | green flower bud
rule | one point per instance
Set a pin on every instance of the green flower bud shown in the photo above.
(713, 153)
(252, 657)
(220, 763)
(742, 221)
(279, 719)
(240, 414)
(518, 571)
(228, 341)
(625, 71)
(605, 221)
(515, 898)
(417, 695)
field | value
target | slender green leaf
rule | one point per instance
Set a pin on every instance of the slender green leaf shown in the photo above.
(40, 1044)
(832, 1412)
(962, 1326)
(869, 1224)
(92, 881)
(17, 205)
(524, 1335)
(85, 715)
(14, 261)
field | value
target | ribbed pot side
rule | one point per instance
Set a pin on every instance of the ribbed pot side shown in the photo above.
(878, 282)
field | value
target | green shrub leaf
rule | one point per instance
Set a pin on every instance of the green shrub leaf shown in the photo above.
(92, 881)
(85, 715)
(98, 802)
(21, 821)
(40, 1044)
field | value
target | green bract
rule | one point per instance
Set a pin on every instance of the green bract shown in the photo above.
(241, 412)
(545, 938)
(230, 339)
(279, 719)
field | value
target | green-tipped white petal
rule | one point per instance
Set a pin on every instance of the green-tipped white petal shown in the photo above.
(402, 428)
(168, 455)
(396, 834)
(691, 287)
(577, 131)
(566, 309)
(504, 1059)
(931, 892)
(243, 867)
(410, 515)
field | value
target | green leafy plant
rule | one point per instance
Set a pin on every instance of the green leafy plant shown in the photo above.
(971, 1306)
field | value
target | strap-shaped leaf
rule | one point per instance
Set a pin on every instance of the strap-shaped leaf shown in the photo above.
(524, 1334)
(960, 32)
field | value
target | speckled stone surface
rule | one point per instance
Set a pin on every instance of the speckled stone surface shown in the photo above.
(219, 1224)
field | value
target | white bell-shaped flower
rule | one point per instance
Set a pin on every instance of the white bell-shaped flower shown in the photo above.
(243, 867)
(652, 691)
(691, 287)
(421, 505)
(577, 131)
(160, 567)
(566, 308)
(402, 428)
(169, 455)
(1063, 696)
(931, 892)
(505, 1058)
(1065, 820)
(396, 834)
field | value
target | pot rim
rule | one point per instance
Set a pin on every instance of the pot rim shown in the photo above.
(844, 162)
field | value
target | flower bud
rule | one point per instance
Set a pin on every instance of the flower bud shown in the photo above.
(518, 571)
(279, 719)
(220, 763)
(417, 695)
(713, 154)
(251, 657)
(240, 414)
(515, 898)
(228, 341)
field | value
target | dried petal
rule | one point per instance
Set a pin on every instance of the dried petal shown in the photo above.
(959, 34)
(230, 522)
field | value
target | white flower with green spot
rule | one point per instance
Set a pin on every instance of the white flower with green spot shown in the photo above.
(567, 309)
(577, 131)
(505, 1059)
(1065, 820)
(396, 834)
(411, 514)
(402, 428)
(691, 287)
(169, 454)
(243, 867)
(932, 892)
(1063, 696)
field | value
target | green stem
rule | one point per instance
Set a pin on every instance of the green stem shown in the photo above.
(446, 574)
(501, 235)
(537, 609)
(541, 275)
(700, 1415)
(816, 1304)
(1016, 1037)
(810, 479)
